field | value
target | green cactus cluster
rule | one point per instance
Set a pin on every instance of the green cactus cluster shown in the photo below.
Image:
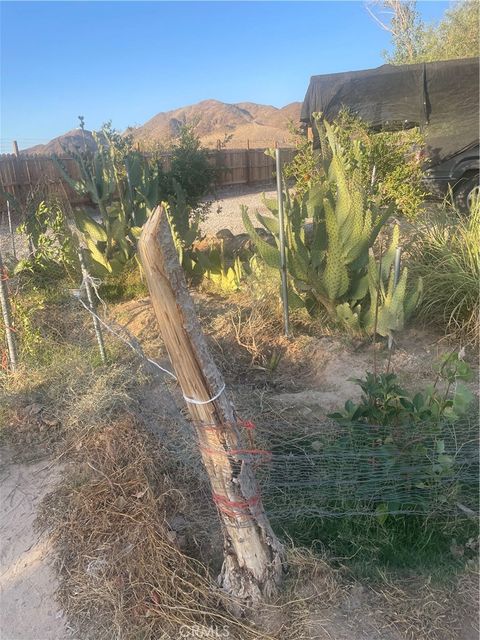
(330, 260)
(125, 185)
(122, 191)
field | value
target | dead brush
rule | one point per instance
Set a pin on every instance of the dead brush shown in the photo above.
(248, 337)
(417, 609)
(125, 571)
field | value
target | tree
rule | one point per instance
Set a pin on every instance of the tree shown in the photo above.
(455, 36)
(403, 21)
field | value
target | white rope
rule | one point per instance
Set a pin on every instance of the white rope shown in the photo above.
(127, 342)
(215, 397)
(95, 283)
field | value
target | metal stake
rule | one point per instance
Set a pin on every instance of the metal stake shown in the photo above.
(7, 317)
(283, 260)
(10, 228)
(96, 324)
(396, 278)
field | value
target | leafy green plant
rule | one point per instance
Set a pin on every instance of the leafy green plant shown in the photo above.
(446, 254)
(332, 267)
(304, 169)
(389, 162)
(50, 238)
(410, 433)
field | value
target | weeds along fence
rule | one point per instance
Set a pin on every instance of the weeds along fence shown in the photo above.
(21, 174)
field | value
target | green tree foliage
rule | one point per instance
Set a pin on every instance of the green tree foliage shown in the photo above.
(455, 36)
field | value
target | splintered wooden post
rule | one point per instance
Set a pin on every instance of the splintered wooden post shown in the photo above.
(254, 560)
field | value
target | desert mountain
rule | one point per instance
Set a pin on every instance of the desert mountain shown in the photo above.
(70, 141)
(261, 125)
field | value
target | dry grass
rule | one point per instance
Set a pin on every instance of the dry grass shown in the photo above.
(129, 520)
(419, 610)
(124, 562)
(246, 333)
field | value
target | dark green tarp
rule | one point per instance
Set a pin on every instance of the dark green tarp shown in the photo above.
(440, 96)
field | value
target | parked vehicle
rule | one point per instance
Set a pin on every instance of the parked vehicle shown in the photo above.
(442, 98)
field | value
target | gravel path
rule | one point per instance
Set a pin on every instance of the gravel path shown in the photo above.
(229, 200)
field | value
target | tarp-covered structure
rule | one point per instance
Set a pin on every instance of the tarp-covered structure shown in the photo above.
(440, 97)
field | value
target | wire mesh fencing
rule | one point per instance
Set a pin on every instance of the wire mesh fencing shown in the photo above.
(420, 468)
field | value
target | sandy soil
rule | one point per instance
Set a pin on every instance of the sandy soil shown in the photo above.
(27, 582)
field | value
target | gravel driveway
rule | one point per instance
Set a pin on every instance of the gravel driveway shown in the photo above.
(230, 199)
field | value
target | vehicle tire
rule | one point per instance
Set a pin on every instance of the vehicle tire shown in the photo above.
(467, 191)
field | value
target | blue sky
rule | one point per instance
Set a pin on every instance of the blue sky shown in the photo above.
(126, 61)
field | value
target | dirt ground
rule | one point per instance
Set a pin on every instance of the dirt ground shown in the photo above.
(27, 581)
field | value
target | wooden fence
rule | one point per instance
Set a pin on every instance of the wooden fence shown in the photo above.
(21, 175)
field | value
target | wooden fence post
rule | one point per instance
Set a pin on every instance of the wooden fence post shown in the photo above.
(7, 317)
(254, 559)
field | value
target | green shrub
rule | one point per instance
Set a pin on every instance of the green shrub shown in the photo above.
(190, 168)
(446, 254)
(382, 488)
(407, 436)
(397, 177)
(51, 241)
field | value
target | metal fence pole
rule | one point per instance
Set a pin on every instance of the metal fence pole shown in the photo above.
(7, 317)
(96, 324)
(396, 278)
(283, 260)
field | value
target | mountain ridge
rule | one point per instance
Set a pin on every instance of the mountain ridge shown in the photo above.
(233, 125)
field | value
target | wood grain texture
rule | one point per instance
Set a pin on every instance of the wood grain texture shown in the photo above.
(253, 563)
